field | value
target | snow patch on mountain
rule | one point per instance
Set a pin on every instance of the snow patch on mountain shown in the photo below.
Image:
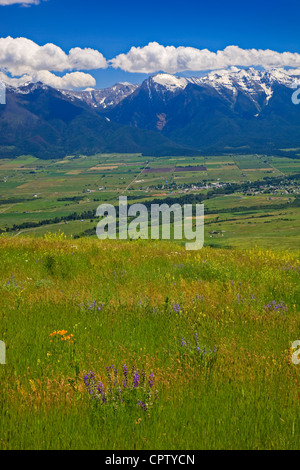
(170, 82)
(105, 98)
(250, 81)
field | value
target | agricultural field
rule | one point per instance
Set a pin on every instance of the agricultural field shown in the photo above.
(143, 345)
(38, 196)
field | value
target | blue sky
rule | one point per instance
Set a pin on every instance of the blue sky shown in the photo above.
(113, 27)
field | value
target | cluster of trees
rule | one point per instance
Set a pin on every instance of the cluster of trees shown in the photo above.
(74, 216)
(14, 200)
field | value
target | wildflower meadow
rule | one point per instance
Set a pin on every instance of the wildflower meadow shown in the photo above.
(144, 345)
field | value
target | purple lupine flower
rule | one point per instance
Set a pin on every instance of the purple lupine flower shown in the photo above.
(151, 380)
(142, 405)
(101, 391)
(183, 343)
(276, 306)
(89, 380)
(92, 305)
(100, 387)
(136, 380)
(176, 307)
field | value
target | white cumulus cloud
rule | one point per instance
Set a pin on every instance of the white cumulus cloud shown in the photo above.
(22, 2)
(155, 58)
(21, 55)
(68, 81)
(22, 60)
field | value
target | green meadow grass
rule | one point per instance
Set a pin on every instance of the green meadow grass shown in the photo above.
(141, 303)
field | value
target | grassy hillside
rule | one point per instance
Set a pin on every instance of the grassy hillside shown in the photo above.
(214, 327)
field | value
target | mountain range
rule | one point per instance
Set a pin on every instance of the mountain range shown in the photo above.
(223, 112)
(44, 122)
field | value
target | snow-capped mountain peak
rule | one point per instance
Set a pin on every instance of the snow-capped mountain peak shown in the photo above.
(170, 82)
(233, 78)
